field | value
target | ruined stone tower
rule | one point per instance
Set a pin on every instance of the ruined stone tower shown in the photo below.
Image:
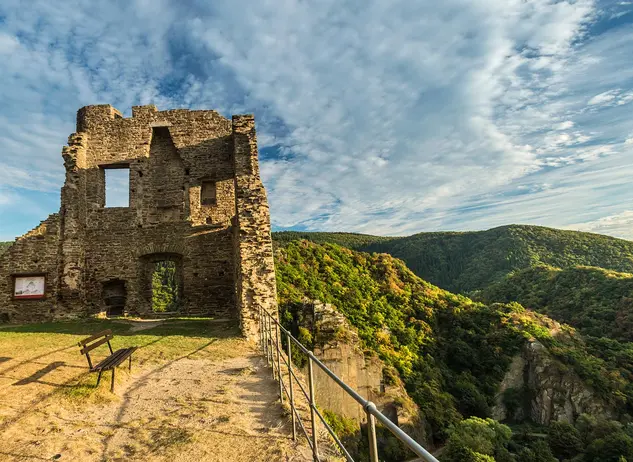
(196, 200)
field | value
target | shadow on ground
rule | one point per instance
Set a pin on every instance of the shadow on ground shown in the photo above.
(194, 327)
(35, 377)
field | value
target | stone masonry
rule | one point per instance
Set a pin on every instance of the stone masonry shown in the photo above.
(195, 199)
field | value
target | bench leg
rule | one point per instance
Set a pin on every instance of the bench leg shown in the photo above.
(112, 383)
(99, 378)
(130, 366)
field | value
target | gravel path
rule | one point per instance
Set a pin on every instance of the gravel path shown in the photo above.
(220, 408)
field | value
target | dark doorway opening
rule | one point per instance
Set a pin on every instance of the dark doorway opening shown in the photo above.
(114, 296)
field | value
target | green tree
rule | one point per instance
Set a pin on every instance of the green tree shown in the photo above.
(611, 448)
(564, 440)
(477, 439)
(165, 296)
(451, 353)
(538, 451)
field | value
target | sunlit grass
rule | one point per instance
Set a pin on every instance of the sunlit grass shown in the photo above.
(193, 338)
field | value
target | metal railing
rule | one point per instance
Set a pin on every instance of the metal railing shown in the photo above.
(271, 332)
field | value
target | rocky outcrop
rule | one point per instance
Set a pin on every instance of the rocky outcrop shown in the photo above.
(542, 389)
(337, 345)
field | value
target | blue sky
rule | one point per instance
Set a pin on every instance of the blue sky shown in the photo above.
(388, 117)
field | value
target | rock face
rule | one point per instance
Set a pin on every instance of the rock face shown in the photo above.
(540, 388)
(337, 345)
(195, 199)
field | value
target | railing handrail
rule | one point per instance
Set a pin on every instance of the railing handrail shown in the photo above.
(271, 345)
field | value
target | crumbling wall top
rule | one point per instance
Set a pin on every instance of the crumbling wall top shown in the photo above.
(140, 111)
(102, 115)
(89, 116)
(243, 123)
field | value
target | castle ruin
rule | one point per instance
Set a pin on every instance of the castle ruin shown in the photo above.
(196, 201)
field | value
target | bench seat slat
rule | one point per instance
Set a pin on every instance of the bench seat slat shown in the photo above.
(114, 359)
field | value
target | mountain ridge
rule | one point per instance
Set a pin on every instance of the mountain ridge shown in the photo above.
(466, 261)
(453, 354)
(597, 301)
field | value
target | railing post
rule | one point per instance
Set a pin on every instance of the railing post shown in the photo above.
(267, 338)
(265, 334)
(270, 340)
(261, 329)
(315, 448)
(371, 433)
(292, 398)
(277, 347)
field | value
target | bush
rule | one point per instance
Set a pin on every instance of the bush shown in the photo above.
(477, 439)
(564, 440)
(539, 451)
(611, 448)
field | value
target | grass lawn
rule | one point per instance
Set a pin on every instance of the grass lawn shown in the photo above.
(197, 391)
(49, 354)
(166, 339)
(156, 339)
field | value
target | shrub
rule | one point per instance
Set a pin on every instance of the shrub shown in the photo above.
(564, 440)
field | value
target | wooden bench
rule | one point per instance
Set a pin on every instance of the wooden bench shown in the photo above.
(111, 362)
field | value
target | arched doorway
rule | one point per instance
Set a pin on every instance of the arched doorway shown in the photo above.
(163, 282)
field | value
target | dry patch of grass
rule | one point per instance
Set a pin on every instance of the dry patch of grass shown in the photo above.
(197, 392)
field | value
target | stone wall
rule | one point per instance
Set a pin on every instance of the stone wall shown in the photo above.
(34, 253)
(255, 269)
(222, 247)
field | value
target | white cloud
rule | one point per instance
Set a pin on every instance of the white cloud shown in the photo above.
(619, 225)
(434, 124)
(388, 118)
(6, 197)
(565, 125)
(8, 44)
(603, 98)
(611, 97)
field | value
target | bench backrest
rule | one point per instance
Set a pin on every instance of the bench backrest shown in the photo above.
(94, 341)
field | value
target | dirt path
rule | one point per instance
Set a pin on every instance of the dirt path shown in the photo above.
(203, 406)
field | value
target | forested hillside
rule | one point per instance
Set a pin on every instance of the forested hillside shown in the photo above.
(4, 246)
(350, 240)
(599, 302)
(464, 262)
(452, 354)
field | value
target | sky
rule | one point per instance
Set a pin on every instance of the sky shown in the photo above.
(386, 117)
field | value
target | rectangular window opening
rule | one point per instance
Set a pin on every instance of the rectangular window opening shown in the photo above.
(117, 187)
(208, 193)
